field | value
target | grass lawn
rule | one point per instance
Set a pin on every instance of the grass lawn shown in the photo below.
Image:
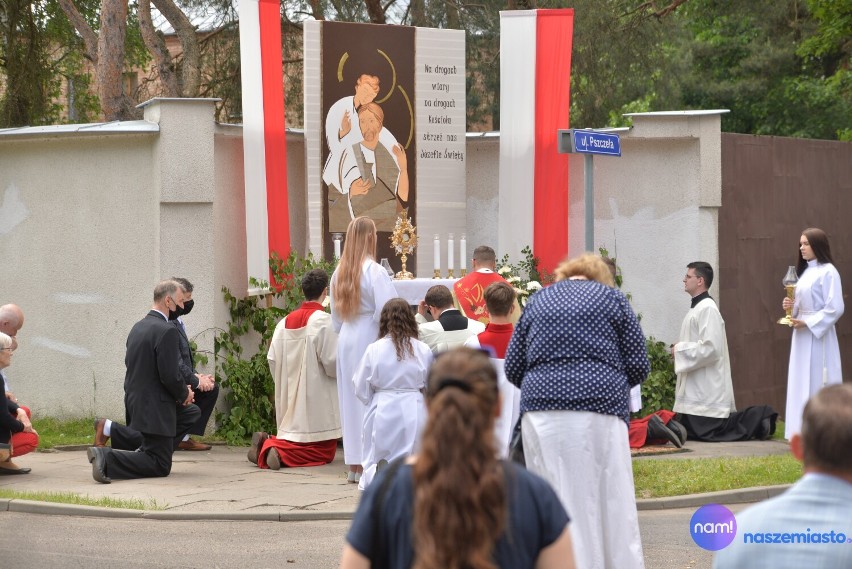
(660, 478)
(71, 498)
(52, 432)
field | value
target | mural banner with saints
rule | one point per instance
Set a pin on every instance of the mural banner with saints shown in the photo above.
(384, 132)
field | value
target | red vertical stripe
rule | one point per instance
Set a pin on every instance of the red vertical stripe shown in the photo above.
(554, 32)
(278, 214)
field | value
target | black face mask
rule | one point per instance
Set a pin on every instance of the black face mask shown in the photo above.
(187, 307)
(173, 314)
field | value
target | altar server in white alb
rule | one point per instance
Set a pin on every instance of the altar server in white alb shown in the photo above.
(814, 351)
(500, 300)
(303, 360)
(360, 287)
(704, 394)
(389, 381)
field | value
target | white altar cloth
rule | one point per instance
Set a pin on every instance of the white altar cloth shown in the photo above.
(414, 290)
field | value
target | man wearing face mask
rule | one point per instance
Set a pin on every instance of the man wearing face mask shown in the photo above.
(157, 401)
(204, 385)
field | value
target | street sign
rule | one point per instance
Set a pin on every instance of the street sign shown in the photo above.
(589, 142)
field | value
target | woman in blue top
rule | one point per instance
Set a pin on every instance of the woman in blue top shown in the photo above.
(576, 352)
(455, 505)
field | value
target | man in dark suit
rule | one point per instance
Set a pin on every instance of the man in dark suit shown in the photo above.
(203, 385)
(450, 328)
(157, 401)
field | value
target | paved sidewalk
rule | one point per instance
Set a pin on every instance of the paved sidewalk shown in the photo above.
(222, 484)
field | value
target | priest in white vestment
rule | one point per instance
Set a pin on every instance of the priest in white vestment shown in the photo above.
(704, 395)
(303, 358)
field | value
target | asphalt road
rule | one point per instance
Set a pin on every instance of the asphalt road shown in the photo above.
(40, 541)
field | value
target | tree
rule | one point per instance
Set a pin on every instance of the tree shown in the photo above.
(776, 65)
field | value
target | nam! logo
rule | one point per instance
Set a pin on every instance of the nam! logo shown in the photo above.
(713, 527)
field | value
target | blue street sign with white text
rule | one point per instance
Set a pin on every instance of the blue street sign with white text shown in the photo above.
(591, 142)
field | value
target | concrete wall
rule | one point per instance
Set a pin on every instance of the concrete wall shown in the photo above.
(94, 215)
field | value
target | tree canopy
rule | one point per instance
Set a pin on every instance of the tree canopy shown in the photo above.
(782, 67)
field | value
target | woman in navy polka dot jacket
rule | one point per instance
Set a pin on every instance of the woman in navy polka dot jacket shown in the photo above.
(576, 352)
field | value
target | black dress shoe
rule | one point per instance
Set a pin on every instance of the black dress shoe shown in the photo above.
(97, 457)
(658, 430)
(677, 429)
(764, 431)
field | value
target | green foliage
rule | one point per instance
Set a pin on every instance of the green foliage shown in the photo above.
(246, 379)
(658, 391)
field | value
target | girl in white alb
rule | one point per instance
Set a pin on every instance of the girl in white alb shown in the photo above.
(814, 350)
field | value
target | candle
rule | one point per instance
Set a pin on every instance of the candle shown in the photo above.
(450, 246)
(437, 252)
(336, 239)
(463, 252)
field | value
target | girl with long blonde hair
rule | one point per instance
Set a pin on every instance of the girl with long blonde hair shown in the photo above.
(360, 287)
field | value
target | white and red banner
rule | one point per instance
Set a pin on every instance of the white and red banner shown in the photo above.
(535, 78)
(264, 142)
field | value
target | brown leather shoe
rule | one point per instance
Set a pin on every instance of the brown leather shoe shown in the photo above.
(257, 440)
(100, 438)
(273, 459)
(190, 444)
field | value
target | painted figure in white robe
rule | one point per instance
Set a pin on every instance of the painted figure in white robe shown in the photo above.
(360, 287)
(389, 381)
(342, 131)
(814, 350)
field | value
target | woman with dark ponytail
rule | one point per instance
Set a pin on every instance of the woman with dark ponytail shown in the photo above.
(455, 505)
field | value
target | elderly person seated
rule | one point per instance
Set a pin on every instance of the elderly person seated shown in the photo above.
(13, 420)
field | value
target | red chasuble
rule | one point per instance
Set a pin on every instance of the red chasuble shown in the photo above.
(470, 294)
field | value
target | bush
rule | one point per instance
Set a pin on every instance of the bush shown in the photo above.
(658, 391)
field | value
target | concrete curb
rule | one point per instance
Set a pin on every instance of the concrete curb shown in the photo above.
(743, 495)
(739, 496)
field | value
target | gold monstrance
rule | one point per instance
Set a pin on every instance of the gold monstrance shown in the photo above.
(789, 281)
(404, 241)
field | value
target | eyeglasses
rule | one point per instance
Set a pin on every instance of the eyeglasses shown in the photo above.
(10, 349)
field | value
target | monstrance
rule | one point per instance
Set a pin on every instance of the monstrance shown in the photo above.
(404, 242)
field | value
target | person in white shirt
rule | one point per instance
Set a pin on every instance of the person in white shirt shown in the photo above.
(449, 328)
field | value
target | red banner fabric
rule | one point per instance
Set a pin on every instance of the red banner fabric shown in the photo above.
(278, 214)
(554, 34)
